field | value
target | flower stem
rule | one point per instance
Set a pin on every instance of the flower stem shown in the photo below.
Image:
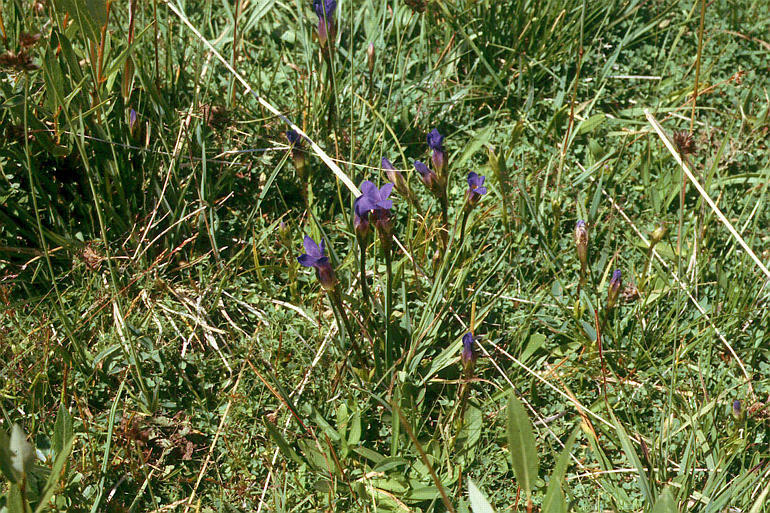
(364, 284)
(466, 213)
(388, 307)
(444, 219)
(336, 301)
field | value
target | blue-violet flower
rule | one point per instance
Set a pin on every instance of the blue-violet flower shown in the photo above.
(468, 354)
(436, 144)
(315, 257)
(324, 9)
(476, 188)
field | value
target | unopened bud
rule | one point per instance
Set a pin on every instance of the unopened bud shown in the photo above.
(370, 56)
(614, 289)
(581, 243)
(737, 410)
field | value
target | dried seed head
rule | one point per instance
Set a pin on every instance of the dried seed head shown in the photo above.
(417, 6)
(658, 234)
(27, 40)
(684, 142)
(20, 61)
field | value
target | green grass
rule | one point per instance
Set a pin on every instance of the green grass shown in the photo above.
(156, 317)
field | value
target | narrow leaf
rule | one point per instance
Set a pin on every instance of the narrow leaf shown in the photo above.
(625, 443)
(521, 444)
(287, 451)
(53, 477)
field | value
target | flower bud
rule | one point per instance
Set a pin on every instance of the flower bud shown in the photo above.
(395, 177)
(427, 176)
(370, 56)
(616, 282)
(131, 121)
(581, 243)
(468, 354)
(326, 276)
(737, 410)
(361, 224)
(384, 225)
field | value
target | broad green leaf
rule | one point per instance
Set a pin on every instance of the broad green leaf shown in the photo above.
(425, 493)
(588, 125)
(479, 503)
(6, 466)
(355, 428)
(22, 452)
(666, 502)
(521, 444)
(62, 430)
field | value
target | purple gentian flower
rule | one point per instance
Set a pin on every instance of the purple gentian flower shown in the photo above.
(315, 257)
(427, 176)
(468, 354)
(324, 9)
(395, 177)
(476, 188)
(614, 289)
(435, 143)
(376, 201)
(373, 198)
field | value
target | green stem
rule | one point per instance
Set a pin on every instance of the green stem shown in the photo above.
(336, 301)
(364, 284)
(388, 307)
(466, 213)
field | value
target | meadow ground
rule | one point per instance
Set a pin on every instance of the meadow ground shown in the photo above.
(168, 343)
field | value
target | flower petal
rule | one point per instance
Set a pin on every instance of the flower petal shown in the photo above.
(368, 188)
(363, 205)
(311, 248)
(306, 260)
(385, 191)
(480, 191)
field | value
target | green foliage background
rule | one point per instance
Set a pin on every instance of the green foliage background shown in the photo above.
(151, 295)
